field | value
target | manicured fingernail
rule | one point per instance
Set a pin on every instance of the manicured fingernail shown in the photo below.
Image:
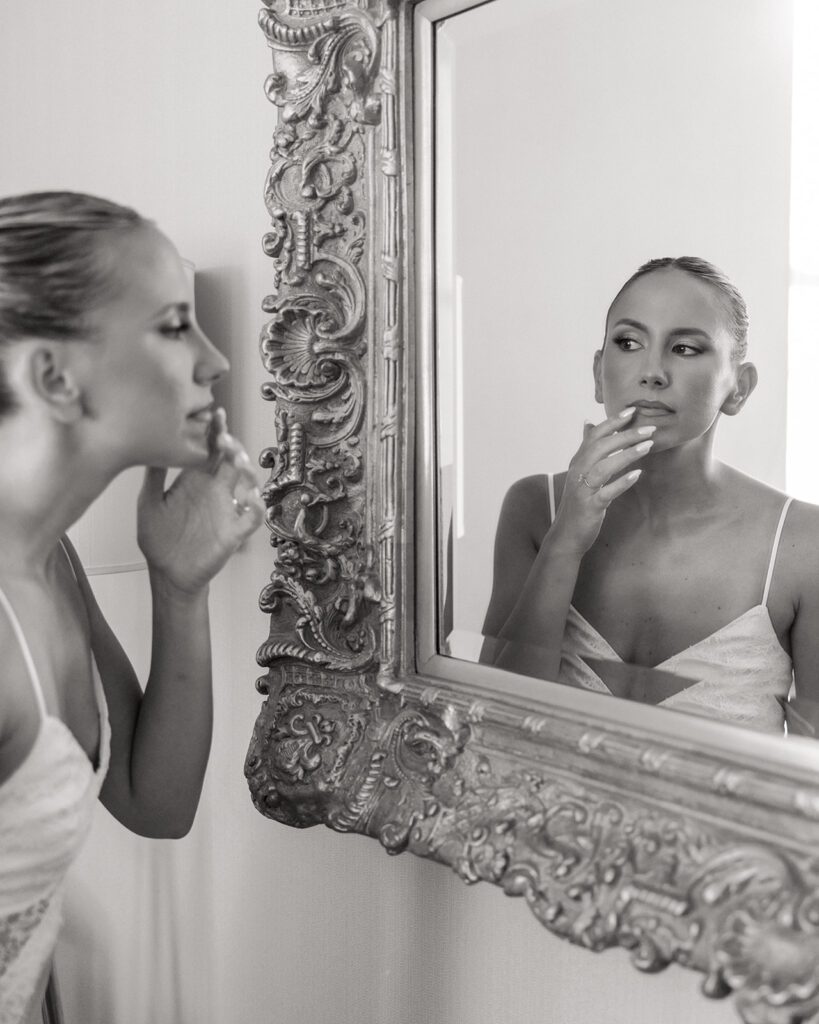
(643, 446)
(633, 474)
(646, 430)
(627, 412)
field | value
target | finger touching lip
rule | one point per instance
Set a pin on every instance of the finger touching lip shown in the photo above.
(217, 430)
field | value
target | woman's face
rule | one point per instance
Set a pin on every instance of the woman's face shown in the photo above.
(149, 368)
(668, 351)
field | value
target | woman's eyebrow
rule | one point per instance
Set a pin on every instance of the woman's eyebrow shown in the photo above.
(688, 332)
(174, 307)
(678, 332)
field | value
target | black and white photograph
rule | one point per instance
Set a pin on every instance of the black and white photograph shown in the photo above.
(409, 512)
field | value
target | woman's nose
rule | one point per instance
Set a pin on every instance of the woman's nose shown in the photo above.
(653, 374)
(210, 364)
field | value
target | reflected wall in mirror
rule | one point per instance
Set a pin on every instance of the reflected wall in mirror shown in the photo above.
(659, 131)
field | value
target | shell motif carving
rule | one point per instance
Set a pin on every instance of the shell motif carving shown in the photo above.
(323, 593)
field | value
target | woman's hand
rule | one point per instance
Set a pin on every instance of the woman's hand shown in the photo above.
(188, 532)
(597, 476)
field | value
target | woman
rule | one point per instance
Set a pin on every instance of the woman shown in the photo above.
(102, 367)
(650, 552)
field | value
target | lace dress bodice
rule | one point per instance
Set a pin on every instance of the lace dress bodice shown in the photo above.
(45, 814)
(740, 670)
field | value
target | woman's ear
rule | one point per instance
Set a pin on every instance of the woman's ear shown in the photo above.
(53, 379)
(746, 379)
(598, 381)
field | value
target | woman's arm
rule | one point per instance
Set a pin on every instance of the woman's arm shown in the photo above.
(798, 561)
(532, 586)
(523, 523)
(534, 583)
(160, 739)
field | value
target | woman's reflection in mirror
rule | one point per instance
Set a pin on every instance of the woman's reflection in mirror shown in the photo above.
(648, 552)
(102, 367)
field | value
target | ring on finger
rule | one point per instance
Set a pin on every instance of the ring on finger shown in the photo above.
(584, 480)
(239, 508)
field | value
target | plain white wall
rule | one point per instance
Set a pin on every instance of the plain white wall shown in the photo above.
(586, 139)
(160, 104)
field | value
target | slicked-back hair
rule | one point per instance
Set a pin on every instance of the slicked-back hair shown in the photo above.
(51, 271)
(729, 295)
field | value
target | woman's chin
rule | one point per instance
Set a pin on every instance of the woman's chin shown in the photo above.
(187, 457)
(195, 458)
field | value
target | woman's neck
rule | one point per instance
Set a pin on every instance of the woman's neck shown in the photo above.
(46, 483)
(676, 486)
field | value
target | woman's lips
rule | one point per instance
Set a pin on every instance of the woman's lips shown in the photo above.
(202, 418)
(653, 411)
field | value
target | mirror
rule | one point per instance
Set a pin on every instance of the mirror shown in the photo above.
(680, 839)
(573, 142)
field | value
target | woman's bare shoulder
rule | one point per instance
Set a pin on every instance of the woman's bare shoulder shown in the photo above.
(801, 525)
(797, 565)
(529, 488)
(16, 684)
(748, 490)
(527, 501)
(798, 547)
(801, 531)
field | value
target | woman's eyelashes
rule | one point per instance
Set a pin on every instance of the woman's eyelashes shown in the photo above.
(176, 330)
(679, 348)
(682, 348)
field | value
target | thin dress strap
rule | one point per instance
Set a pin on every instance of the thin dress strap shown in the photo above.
(21, 639)
(550, 483)
(774, 550)
(70, 563)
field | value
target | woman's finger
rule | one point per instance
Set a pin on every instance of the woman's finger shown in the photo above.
(236, 467)
(218, 428)
(619, 421)
(153, 482)
(233, 461)
(613, 465)
(609, 492)
(593, 451)
(249, 510)
(229, 460)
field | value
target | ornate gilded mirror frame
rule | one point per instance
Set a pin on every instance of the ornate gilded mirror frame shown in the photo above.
(619, 824)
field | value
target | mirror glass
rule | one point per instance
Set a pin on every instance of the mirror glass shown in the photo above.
(574, 141)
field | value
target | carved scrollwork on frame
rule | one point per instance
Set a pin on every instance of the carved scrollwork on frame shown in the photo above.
(611, 838)
(299, 753)
(595, 866)
(324, 592)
